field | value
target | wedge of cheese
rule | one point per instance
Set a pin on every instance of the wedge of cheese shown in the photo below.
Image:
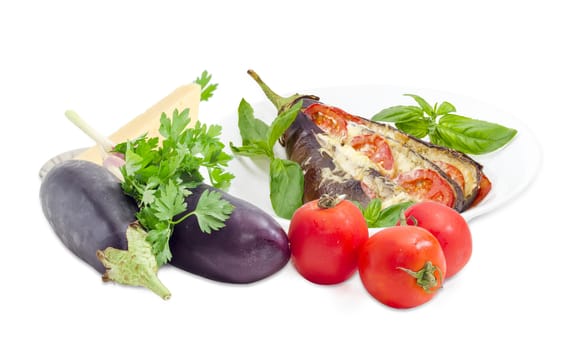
(185, 96)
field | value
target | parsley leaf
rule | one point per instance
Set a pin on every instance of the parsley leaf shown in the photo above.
(212, 211)
(206, 88)
(159, 239)
(171, 129)
(158, 176)
(169, 202)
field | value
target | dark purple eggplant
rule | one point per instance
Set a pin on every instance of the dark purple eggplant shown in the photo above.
(250, 247)
(87, 209)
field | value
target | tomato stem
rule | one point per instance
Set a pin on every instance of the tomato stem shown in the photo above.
(327, 201)
(426, 277)
(404, 221)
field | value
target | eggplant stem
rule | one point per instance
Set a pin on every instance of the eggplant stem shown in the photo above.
(281, 103)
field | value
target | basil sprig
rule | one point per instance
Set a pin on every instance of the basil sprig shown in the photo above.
(445, 128)
(377, 217)
(258, 139)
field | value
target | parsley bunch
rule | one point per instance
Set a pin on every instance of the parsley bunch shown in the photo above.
(158, 175)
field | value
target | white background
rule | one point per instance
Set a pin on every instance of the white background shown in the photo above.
(112, 60)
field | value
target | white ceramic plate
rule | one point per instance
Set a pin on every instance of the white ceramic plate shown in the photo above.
(510, 169)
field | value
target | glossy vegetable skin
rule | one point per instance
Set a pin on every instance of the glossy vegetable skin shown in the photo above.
(250, 247)
(449, 227)
(86, 208)
(402, 266)
(326, 236)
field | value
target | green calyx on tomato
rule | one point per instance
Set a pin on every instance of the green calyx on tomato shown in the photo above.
(326, 236)
(426, 276)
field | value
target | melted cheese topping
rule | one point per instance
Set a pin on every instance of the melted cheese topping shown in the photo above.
(469, 171)
(345, 157)
(404, 159)
(353, 164)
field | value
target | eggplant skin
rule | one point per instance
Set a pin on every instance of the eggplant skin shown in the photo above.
(87, 209)
(251, 246)
(303, 148)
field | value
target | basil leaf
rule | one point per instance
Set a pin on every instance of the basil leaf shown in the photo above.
(399, 114)
(286, 187)
(258, 148)
(445, 108)
(377, 217)
(471, 135)
(250, 128)
(390, 215)
(416, 128)
(372, 211)
(281, 123)
(424, 104)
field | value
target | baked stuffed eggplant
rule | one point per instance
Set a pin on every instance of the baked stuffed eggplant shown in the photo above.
(341, 153)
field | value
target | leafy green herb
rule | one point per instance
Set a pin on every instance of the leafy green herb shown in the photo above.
(378, 217)
(258, 139)
(159, 178)
(206, 88)
(286, 186)
(445, 128)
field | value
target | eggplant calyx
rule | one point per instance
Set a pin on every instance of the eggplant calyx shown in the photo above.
(425, 277)
(281, 103)
(136, 266)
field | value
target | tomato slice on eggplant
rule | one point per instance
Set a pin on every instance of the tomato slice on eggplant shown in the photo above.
(427, 184)
(453, 172)
(375, 148)
(331, 120)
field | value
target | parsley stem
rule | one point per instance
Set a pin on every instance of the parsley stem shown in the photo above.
(182, 218)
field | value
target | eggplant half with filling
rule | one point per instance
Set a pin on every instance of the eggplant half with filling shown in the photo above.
(341, 153)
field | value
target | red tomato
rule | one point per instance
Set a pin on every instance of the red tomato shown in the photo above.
(427, 184)
(449, 227)
(325, 241)
(402, 266)
(330, 119)
(375, 148)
